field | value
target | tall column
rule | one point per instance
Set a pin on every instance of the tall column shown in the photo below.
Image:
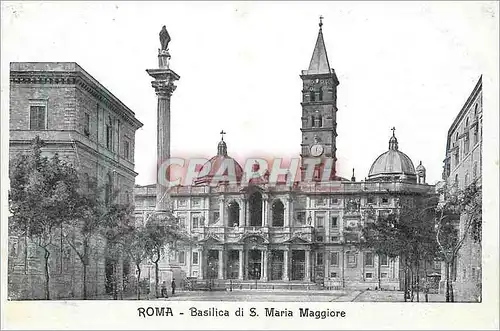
(221, 264)
(221, 211)
(326, 262)
(289, 216)
(264, 265)
(307, 277)
(201, 263)
(285, 264)
(164, 86)
(242, 213)
(242, 263)
(265, 204)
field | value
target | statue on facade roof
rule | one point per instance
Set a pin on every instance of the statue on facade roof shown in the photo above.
(164, 38)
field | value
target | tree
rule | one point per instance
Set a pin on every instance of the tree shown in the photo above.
(117, 224)
(135, 247)
(407, 233)
(459, 208)
(43, 196)
(162, 228)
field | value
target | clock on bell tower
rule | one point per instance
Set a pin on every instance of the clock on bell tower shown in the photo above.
(319, 110)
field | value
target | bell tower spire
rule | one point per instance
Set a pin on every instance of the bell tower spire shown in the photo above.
(319, 109)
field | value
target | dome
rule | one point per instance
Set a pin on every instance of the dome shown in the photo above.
(220, 163)
(392, 164)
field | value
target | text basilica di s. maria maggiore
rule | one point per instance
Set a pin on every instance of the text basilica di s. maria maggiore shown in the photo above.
(276, 234)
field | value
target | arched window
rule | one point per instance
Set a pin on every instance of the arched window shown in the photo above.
(456, 181)
(312, 120)
(312, 96)
(108, 189)
(233, 213)
(320, 95)
(278, 213)
(320, 121)
(255, 208)
(475, 111)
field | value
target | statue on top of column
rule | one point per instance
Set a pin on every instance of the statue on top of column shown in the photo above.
(164, 38)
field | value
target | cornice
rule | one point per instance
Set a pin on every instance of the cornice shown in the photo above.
(79, 80)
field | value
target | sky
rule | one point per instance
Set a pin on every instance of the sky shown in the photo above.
(410, 65)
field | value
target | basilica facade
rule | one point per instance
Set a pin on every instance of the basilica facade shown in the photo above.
(304, 232)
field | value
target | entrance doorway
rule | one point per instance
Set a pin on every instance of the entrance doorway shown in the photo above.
(298, 265)
(212, 264)
(254, 264)
(277, 265)
(233, 264)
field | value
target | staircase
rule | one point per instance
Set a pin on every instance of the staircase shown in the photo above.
(224, 285)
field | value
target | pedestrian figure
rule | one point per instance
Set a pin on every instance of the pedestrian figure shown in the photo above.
(173, 286)
(164, 293)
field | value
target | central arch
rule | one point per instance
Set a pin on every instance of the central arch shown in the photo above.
(255, 207)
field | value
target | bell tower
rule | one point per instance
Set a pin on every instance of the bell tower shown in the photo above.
(319, 111)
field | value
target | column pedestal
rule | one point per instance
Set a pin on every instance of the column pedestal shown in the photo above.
(242, 263)
(285, 265)
(307, 277)
(220, 273)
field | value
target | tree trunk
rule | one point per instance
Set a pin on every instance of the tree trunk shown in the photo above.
(138, 281)
(447, 273)
(378, 272)
(412, 283)
(47, 276)
(406, 282)
(157, 270)
(84, 281)
(418, 281)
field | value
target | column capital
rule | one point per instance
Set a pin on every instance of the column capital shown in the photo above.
(163, 88)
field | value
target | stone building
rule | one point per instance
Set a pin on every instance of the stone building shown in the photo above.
(303, 234)
(84, 123)
(462, 166)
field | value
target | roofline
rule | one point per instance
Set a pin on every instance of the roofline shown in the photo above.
(84, 75)
(477, 88)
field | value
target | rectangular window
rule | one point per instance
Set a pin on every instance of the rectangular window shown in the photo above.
(182, 222)
(320, 220)
(319, 258)
(370, 200)
(109, 136)
(473, 273)
(86, 124)
(216, 216)
(385, 200)
(182, 202)
(126, 149)
(437, 264)
(196, 221)
(383, 275)
(182, 257)
(334, 258)
(384, 260)
(196, 203)
(335, 222)
(38, 118)
(368, 259)
(335, 201)
(301, 217)
(319, 238)
(320, 202)
(195, 257)
(334, 238)
(351, 260)
(369, 275)
(333, 275)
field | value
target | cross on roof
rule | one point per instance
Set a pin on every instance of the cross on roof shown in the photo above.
(222, 134)
(321, 20)
(393, 129)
